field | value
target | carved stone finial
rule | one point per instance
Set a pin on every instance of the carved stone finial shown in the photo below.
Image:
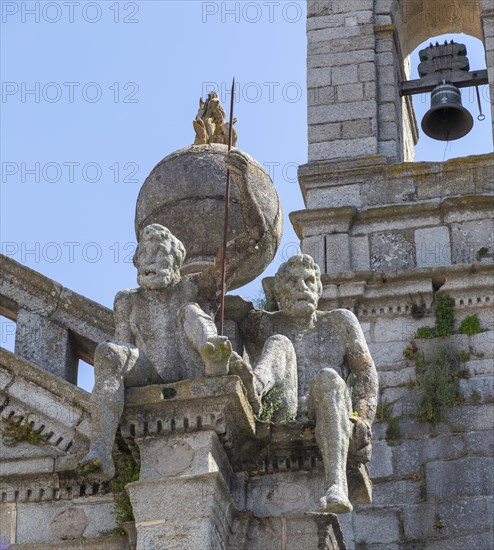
(210, 123)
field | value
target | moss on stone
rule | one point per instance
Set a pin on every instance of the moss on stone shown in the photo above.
(18, 429)
(470, 326)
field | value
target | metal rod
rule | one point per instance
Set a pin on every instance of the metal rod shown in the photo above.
(481, 116)
(225, 227)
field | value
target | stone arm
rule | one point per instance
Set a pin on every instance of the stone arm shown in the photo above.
(361, 365)
(122, 309)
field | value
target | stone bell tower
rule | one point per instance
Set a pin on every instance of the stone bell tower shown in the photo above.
(392, 237)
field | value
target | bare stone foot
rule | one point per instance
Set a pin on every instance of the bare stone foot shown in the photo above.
(216, 354)
(94, 463)
(335, 501)
(244, 371)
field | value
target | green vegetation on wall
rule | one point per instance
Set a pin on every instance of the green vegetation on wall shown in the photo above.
(445, 322)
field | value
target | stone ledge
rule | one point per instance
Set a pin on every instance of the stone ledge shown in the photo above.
(56, 408)
(371, 293)
(97, 543)
(428, 179)
(219, 404)
(344, 219)
(25, 287)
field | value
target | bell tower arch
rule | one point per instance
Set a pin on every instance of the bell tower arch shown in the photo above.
(358, 53)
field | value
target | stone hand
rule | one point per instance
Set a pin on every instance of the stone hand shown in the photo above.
(216, 353)
(236, 162)
(361, 441)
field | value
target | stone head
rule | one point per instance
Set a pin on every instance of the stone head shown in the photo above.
(297, 286)
(158, 258)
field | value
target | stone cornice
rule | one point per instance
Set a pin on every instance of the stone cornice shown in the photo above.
(370, 292)
(340, 218)
(365, 169)
(343, 219)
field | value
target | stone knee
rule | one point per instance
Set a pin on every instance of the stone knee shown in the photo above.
(112, 358)
(329, 379)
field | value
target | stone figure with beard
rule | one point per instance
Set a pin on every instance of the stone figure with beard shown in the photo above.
(164, 330)
(323, 350)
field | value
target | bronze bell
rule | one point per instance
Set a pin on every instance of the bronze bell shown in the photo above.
(447, 119)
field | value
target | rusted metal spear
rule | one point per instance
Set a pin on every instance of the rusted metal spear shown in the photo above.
(225, 227)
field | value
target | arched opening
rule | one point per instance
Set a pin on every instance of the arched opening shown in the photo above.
(416, 24)
(419, 20)
(479, 140)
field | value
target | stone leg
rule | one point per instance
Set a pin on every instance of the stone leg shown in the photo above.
(277, 367)
(330, 403)
(201, 333)
(112, 362)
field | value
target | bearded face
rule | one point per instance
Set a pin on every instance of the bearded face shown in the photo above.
(156, 260)
(297, 291)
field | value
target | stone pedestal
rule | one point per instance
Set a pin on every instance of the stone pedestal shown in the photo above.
(196, 440)
(183, 497)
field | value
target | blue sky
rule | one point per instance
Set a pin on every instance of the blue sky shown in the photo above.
(95, 94)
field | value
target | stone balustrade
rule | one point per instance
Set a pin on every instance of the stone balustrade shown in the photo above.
(54, 326)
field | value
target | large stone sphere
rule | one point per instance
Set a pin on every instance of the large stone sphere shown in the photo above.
(186, 193)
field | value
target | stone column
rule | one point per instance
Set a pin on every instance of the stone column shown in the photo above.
(182, 499)
(488, 29)
(46, 344)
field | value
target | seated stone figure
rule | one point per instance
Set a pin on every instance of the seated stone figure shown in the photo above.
(164, 330)
(161, 335)
(330, 350)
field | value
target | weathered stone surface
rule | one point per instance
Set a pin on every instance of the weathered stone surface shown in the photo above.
(474, 540)
(8, 517)
(411, 455)
(185, 454)
(471, 417)
(381, 465)
(472, 514)
(93, 543)
(69, 524)
(387, 353)
(478, 387)
(392, 250)
(469, 237)
(483, 344)
(376, 527)
(481, 442)
(397, 377)
(480, 366)
(360, 253)
(457, 478)
(432, 247)
(304, 531)
(193, 180)
(198, 511)
(35, 519)
(287, 493)
(396, 493)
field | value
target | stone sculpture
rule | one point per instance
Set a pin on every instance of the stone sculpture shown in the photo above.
(164, 330)
(210, 123)
(337, 379)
